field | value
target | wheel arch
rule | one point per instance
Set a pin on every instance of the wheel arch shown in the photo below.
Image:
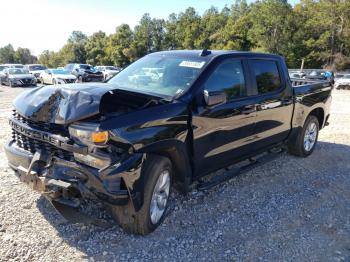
(177, 152)
(319, 114)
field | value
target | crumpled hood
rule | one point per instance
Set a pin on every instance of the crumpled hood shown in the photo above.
(61, 104)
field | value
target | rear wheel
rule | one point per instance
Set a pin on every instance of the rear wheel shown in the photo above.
(307, 138)
(157, 172)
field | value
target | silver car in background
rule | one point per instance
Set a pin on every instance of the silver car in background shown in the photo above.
(343, 82)
(17, 77)
(35, 69)
(14, 66)
(108, 71)
(57, 76)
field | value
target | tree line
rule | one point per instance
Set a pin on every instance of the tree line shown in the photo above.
(317, 31)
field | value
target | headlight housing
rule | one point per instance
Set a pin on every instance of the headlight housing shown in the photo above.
(88, 134)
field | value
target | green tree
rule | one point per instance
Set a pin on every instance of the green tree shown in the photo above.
(119, 49)
(210, 27)
(188, 28)
(24, 56)
(7, 54)
(171, 34)
(51, 59)
(269, 30)
(95, 48)
(74, 50)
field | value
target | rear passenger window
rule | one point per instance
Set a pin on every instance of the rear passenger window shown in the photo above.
(266, 75)
(228, 77)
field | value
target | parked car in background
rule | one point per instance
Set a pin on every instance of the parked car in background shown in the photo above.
(2, 68)
(338, 76)
(127, 141)
(315, 75)
(18, 77)
(57, 76)
(343, 83)
(85, 72)
(297, 74)
(14, 65)
(35, 69)
(108, 71)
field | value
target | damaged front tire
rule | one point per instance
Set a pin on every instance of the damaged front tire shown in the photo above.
(157, 172)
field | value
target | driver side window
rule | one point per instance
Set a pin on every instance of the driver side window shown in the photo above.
(228, 77)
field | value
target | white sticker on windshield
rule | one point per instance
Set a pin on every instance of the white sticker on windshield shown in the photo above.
(192, 64)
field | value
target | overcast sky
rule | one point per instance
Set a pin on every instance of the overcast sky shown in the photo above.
(46, 24)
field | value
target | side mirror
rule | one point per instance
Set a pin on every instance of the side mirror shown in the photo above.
(214, 98)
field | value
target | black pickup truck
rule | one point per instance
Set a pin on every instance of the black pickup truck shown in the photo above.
(166, 120)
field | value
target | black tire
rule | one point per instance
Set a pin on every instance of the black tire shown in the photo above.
(10, 84)
(140, 222)
(298, 148)
(54, 81)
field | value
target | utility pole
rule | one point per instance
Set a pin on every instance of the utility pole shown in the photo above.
(302, 65)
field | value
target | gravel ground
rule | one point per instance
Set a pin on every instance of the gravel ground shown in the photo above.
(291, 209)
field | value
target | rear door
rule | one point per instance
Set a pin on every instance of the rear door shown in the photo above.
(274, 102)
(223, 132)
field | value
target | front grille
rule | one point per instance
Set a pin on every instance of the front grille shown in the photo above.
(26, 81)
(32, 145)
(43, 126)
(68, 81)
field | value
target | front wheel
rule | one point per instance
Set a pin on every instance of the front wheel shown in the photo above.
(157, 172)
(307, 138)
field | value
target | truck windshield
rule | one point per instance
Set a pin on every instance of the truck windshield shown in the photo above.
(161, 75)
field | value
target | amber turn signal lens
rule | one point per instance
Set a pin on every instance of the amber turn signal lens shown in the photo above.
(99, 137)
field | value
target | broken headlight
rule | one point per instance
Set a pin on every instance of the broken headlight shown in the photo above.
(89, 135)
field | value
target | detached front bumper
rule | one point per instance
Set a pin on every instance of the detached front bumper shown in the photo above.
(65, 181)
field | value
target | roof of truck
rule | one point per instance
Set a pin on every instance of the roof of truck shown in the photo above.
(209, 54)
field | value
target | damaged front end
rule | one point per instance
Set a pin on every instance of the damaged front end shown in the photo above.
(66, 172)
(67, 159)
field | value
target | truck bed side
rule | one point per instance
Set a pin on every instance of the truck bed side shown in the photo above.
(311, 97)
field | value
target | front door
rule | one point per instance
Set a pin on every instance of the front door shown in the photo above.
(223, 132)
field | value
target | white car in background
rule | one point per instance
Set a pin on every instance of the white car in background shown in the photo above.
(343, 82)
(20, 66)
(35, 69)
(57, 76)
(108, 71)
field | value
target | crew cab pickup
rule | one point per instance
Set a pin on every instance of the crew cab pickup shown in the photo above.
(128, 141)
